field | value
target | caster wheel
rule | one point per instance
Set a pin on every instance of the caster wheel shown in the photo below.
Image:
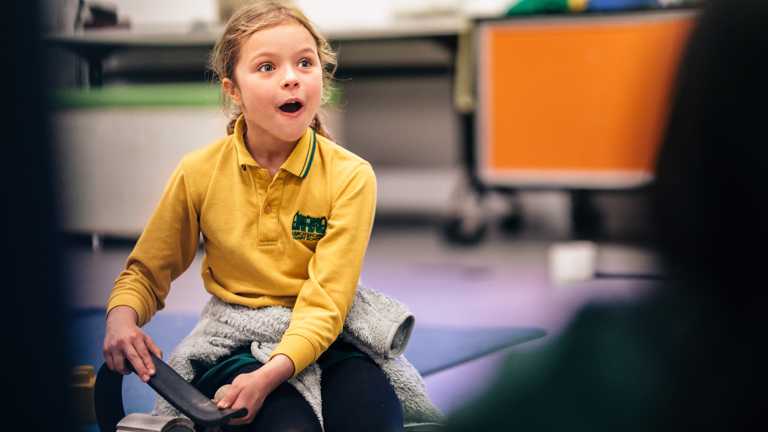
(512, 224)
(464, 232)
(585, 218)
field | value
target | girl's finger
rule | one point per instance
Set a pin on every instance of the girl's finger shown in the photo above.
(108, 360)
(137, 362)
(153, 347)
(118, 364)
(149, 366)
(230, 397)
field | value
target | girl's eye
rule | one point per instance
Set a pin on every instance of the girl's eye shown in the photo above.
(266, 68)
(305, 63)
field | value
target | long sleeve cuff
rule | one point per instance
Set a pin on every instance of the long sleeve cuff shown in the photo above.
(298, 349)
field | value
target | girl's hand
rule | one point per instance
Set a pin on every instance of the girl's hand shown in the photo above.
(249, 390)
(125, 340)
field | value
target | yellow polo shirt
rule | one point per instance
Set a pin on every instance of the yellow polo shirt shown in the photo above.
(296, 240)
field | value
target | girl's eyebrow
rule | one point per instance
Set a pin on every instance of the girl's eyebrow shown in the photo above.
(309, 49)
(266, 52)
(261, 53)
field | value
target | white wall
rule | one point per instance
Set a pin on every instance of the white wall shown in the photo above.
(328, 14)
(59, 15)
(333, 15)
(152, 12)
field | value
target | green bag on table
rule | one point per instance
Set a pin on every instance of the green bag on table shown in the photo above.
(530, 7)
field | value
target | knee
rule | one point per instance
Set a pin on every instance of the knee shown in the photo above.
(376, 414)
(387, 425)
(358, 397)
(282, 427)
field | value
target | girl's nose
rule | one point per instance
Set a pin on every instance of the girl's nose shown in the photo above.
(290, 79)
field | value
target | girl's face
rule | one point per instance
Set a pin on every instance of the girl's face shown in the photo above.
(279, 82)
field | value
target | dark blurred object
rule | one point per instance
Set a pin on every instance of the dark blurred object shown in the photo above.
(713, 170)
(690, 357)
(35, 358)
(101, 16)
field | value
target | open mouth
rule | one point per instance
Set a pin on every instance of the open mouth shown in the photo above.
(291, 107)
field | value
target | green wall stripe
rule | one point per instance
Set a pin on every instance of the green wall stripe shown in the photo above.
(139, 96)
(147, 96)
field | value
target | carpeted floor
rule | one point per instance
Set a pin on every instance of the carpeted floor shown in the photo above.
(455, 293)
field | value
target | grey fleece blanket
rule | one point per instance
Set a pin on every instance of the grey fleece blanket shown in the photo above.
(378, 325)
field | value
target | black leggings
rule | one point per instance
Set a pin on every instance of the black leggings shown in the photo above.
(356, 397)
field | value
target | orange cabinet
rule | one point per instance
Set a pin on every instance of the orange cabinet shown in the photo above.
(575, 101)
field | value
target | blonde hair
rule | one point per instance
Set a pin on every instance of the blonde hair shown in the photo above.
(247, 21)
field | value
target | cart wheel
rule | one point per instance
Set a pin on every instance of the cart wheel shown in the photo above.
(464, 231)
(512, 220)
(512, 223)
(585, 218)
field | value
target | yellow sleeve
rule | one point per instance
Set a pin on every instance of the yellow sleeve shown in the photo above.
(334, 270)
(164, 251)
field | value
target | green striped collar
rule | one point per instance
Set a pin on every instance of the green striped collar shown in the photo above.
(298, 163)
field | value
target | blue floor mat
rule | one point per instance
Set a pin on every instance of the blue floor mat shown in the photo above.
(430, 350)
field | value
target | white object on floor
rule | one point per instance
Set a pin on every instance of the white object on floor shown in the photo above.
(572, 261)
(140, 422)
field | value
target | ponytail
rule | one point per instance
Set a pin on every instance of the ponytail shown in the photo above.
(317, 125)
(233, 116)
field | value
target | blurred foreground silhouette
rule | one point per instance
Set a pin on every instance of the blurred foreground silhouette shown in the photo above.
(689, 357)
(35, 356)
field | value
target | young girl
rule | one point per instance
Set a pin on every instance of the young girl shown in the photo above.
(285, 216)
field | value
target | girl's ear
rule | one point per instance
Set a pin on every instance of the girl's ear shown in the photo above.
(232, 91)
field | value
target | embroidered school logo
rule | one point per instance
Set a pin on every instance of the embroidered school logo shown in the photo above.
(308, 228)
